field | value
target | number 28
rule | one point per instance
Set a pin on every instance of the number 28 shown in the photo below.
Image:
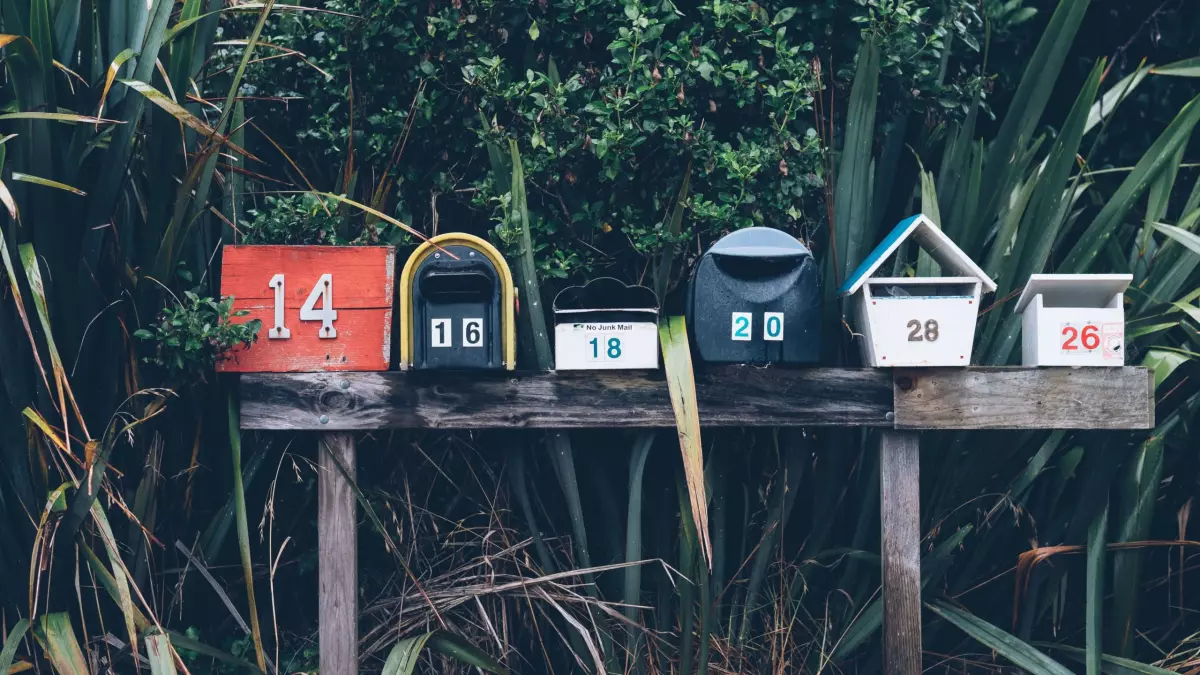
(930, 333)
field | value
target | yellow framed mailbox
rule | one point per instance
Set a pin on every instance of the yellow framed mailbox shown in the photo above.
(917, 321)
(457, 306)
(1073, 319)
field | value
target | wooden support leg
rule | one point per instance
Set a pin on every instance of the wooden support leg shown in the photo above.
(900, 505)
(337, 535)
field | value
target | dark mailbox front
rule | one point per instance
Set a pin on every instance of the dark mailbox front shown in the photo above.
(755, 298)
(458, 294)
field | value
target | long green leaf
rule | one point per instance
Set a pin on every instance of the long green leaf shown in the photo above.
(57, 637)
(1185, 68)
(459, 648)
(1138, 493)
(124, 597)
(681, 382)
(1029, 101)
(1156, 159)
(533, 312)
(402, 660)
(243, 529)
(1021, 653)
(160, 654)
(1096, 557)
(1113, 665)
(1188, 239)
(633, 525)
(662, 271)
(12, 643)
(853, 171)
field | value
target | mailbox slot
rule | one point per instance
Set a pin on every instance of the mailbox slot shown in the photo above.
(457, 286)
(457, 306)
(755, 298)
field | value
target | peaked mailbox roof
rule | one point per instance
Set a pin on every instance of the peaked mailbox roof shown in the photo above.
(931, 238)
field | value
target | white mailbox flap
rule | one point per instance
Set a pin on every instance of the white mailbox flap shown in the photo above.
(1087, 291)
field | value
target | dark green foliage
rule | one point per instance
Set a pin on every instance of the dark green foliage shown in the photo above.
(191, 335)
(637, 124)
(293, 219)
(610, 102)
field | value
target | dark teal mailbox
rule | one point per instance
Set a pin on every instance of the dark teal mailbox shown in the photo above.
(755, 298)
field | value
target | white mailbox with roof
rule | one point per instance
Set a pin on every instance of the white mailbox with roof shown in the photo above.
(917, 321)
(1073, 319)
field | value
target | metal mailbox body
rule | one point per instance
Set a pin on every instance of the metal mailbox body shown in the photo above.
(755, 298)
(917, 321)
(457, 306)
(1073, 319)
(322, 307)
(605, 325)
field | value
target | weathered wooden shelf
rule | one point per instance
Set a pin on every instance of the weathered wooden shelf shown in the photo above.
(936, 398)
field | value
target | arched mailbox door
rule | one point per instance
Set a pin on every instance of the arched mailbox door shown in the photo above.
(755, 298)
(457, 306)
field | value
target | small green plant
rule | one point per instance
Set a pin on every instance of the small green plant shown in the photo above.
(314, 220)
(194, 334)
(294, 220)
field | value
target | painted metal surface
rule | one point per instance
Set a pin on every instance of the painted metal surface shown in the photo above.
(322, 307)
(1073, 320)
(457, 334)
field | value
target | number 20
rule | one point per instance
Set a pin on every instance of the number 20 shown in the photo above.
(323, 291)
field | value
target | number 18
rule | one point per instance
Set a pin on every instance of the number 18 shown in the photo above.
(613, 350)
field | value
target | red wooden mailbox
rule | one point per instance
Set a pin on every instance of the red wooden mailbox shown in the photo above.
(321, 307)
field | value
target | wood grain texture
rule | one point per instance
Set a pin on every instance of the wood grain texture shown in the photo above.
(900, 511)
(727, 396)
(363, 296)
(1024, 398)
(970, 398)
(337, 563)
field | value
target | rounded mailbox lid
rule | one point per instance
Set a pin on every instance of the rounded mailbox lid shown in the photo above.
(606, 293)
(759, 242)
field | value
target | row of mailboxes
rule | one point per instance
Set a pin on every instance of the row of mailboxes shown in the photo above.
(754, 298)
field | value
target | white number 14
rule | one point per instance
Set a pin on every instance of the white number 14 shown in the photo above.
(322, 291)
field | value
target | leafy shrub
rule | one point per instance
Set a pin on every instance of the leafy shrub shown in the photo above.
(309, 219)
(195, 333)
(611, 101)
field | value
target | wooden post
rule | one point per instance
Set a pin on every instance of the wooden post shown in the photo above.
(900, 509)
(337, 535)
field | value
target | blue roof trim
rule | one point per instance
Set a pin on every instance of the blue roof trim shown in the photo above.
(883, 250)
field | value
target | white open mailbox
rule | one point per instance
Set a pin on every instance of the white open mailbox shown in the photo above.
(605, 325)
(1073, 319)
(917, 321)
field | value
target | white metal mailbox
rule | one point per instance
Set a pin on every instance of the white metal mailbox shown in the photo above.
(917, 321)
(605, 325)
(1073, 319)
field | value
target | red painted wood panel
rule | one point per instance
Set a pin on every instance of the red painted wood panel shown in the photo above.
(363, 295)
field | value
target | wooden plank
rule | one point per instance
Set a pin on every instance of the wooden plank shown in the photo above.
(727, 396)
(337, 562)
(1024, 398)
(363, 294)
(900, 511)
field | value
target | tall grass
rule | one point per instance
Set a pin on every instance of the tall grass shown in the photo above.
(128, 160)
